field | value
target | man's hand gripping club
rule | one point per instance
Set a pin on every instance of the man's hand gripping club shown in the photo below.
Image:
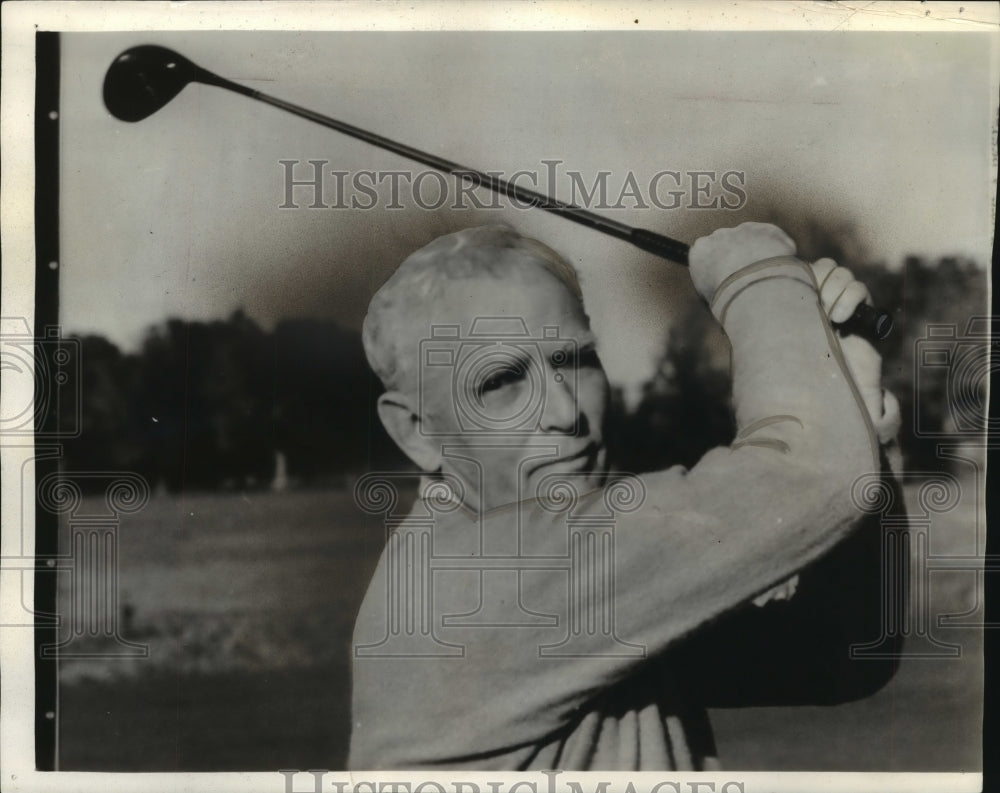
(725, 252)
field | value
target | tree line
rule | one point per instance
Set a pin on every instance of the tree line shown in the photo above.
(210, 405)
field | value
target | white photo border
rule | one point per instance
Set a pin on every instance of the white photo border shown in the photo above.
(21, 20)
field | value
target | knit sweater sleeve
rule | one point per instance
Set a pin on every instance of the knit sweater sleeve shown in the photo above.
(749, 515)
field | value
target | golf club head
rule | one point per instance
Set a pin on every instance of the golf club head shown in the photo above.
(143, 79)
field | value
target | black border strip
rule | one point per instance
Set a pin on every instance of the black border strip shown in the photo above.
(47, 66)
(991, 583)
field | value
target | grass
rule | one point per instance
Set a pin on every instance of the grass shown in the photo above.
(248, 721)
(247, 604)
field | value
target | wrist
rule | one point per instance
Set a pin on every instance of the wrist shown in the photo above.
(773, 268)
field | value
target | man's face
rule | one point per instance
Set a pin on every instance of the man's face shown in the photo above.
(515, 393)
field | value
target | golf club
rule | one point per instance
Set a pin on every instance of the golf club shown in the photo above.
(145, 78)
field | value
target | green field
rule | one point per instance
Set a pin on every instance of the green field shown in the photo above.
(247, 603)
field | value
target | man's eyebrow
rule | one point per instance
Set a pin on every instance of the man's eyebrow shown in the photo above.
(519, 361)
(508, 370)
(582, 341)
(575, 347)
(522, 360)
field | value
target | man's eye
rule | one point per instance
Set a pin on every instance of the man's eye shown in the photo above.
(499, 378)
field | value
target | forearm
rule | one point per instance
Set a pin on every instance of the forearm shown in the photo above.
(749, 516)
(791, 387)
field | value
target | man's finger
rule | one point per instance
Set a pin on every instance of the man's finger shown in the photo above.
(832, 286)
(888, 425)
(768, 231)
(853, 295)
(822, 268)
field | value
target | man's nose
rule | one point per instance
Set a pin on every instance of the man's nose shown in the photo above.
(559, 407)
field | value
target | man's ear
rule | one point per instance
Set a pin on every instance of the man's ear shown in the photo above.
(402, 422)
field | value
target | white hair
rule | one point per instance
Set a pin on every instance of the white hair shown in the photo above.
(470, 253)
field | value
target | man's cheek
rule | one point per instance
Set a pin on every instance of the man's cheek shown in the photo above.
(439, 413)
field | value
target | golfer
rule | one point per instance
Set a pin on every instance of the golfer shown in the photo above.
(495, 391)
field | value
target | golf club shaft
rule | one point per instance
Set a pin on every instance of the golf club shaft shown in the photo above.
(866, 321)
(662, 246)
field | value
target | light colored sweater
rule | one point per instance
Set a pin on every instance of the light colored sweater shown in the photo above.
(502, 688)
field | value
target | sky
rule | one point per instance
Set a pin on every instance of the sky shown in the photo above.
(882, 138)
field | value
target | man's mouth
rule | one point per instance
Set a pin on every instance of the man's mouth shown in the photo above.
(582, 460)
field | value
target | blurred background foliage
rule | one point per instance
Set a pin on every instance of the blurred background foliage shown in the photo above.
(213, 405)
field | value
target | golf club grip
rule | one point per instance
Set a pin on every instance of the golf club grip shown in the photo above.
(867, 321)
